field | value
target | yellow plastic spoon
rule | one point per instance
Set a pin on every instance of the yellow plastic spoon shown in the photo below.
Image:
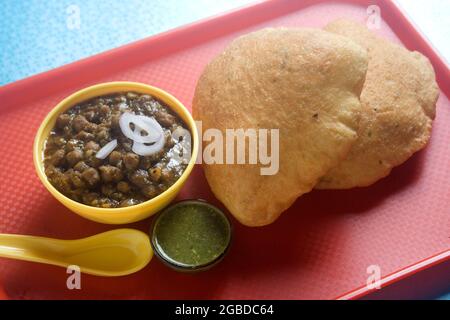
(113, 253)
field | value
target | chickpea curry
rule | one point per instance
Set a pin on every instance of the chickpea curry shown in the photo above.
(116, 150)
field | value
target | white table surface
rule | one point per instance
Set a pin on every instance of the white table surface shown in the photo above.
(432, 18)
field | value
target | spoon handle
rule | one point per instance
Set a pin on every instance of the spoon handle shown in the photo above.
(112, 253)
(30, 248)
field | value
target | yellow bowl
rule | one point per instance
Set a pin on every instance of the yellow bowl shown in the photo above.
(114, 215)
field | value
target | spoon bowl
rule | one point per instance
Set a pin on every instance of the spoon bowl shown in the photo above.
(113, 253)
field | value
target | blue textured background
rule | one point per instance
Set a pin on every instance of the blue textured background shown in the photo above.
(35, 35)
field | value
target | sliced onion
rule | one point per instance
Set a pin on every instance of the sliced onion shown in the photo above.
(144, 150)
(148, 120)
(124, 123)
(106, 150)
(149, 125)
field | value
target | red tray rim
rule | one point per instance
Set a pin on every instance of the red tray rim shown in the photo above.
(239, 18)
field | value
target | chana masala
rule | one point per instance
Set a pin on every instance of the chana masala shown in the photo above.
(116, 150)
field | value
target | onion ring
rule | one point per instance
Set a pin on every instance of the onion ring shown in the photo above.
(149, 125)
(144, 150)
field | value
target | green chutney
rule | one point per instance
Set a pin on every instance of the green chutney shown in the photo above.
(191, 235)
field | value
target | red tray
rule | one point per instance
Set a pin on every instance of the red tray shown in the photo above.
(320, 248)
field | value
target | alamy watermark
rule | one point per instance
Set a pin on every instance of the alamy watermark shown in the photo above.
(74, 279)
(253, 146)
(73, 21)
(374, 17)
(374, 279)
